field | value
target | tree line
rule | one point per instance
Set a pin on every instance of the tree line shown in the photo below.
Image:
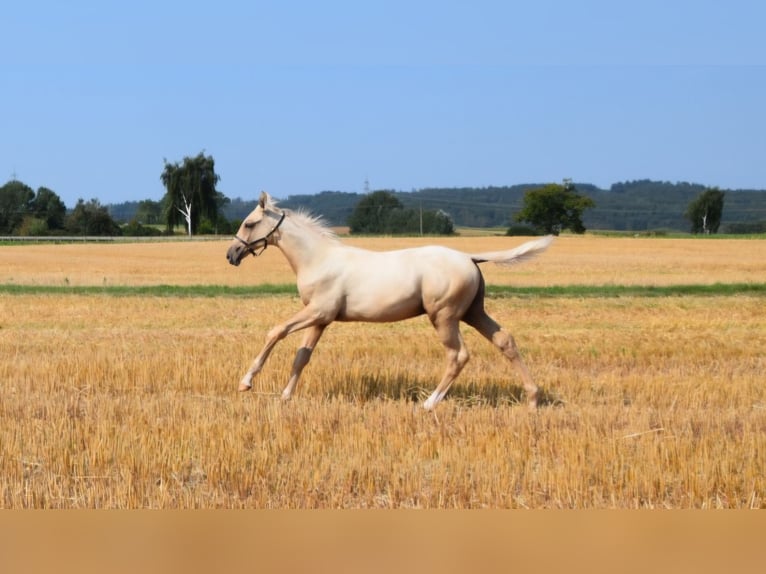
(193, 201)
(380, 212)
(548, 210)
(24, 211)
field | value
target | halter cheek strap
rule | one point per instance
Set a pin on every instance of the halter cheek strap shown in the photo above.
(252, 246)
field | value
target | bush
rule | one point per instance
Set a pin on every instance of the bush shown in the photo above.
(91, 218)
(33, 226)
(221, 226)
(135, 229)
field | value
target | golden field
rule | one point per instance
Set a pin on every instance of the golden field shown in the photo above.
(131, 402)
(582, 260)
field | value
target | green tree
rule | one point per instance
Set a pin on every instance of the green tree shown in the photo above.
(48, 207)
(373, 212)
(190, 192)
(15, 204)
(91, 218)
(705, 211)
(148, 212)
(553, 208)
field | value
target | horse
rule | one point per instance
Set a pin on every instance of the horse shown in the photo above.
(338, 282)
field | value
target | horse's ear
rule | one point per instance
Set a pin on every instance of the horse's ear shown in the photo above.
(264, 199)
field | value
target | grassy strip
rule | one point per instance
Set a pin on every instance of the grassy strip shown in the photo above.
(612, 291)
(497, 291)
(152, 290)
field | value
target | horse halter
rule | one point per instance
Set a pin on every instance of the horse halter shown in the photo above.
(252, 246)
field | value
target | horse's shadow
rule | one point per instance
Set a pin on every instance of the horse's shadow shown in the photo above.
(402, 388)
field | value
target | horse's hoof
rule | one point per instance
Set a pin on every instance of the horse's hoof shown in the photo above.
(243, 387)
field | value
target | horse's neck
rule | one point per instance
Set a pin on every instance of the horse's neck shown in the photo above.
(301, 246)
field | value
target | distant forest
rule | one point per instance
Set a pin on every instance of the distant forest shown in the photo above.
(641, 205)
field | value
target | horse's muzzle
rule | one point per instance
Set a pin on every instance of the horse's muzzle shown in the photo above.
(234, 254)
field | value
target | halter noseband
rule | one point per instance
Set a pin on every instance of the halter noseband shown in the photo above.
(252, 246)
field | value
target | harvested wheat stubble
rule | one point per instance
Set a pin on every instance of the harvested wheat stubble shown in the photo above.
(131, 403)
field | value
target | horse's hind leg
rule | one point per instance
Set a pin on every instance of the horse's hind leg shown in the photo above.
(302, 358)
(487, 326)
(457, 357)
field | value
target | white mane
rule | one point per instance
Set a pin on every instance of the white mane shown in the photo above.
(306, 219)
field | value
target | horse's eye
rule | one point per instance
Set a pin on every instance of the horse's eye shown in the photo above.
(249, 224)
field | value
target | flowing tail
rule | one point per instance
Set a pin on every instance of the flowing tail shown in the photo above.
(521, 253)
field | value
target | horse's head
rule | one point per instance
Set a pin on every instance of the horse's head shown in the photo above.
(256, 231)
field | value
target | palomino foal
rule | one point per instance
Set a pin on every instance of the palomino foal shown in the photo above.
(337, 282)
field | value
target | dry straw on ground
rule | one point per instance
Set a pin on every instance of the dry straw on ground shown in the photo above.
(130, 402)
(583, 260)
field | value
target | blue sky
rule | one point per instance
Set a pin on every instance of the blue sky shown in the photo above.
(301, 97)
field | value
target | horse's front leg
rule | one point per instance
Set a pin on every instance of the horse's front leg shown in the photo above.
(306, 317)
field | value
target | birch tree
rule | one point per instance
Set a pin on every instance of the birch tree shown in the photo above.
(190, 192)
(704, 213)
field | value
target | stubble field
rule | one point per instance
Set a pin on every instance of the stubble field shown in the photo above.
(130, 401)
